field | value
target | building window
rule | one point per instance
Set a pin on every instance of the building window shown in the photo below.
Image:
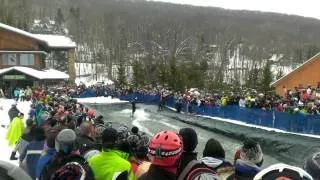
(26, 59)
(9, 59)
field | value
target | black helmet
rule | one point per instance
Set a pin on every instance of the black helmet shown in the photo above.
(65, 141)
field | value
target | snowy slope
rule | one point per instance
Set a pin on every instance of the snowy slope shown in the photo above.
(85, 73)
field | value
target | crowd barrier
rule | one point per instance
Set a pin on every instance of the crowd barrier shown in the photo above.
(298, 123)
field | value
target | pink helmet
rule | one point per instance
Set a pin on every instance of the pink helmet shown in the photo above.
(165, 148)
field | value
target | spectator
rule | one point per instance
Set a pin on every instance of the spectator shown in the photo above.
(49, 150)
(22, 95)
(164, 151)
(251, 159)
(66, 152)
(33, 151)
(283, 172)
(13, 111)
(85, 139)
(25, 139)
(98, 135)
(214, 157)
(15, 129)
(312, 165)
(190, 141)
(100, 163)
(16, 94)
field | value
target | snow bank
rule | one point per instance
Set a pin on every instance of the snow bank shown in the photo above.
(100, 100)
(5, 105)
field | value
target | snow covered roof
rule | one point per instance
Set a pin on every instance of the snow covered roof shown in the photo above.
(296, 69)
(52, 41)
(38, 74)
(56, 41)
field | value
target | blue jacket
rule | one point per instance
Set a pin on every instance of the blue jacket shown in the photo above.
(44, 159)
(32, 154)
(245, 170)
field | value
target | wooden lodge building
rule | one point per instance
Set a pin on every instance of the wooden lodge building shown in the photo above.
(23, 55)
(307, 74)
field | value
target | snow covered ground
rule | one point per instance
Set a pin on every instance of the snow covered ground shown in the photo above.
(100, 100)
(5, 105)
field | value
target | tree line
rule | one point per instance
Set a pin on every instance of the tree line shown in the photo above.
(175, 45)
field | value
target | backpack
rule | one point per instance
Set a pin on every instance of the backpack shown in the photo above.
(196, 170)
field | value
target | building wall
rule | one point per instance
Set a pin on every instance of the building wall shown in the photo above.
(15, 42)
(37, 62)
(309, 74)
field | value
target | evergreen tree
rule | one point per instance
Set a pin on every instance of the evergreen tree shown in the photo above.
(253, 79)
(138, 74)
(267, 78)
(121, 74)
(312, 50)
(162, 73)
(173, 72)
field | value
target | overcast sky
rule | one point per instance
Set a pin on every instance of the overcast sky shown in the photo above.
(308, 8)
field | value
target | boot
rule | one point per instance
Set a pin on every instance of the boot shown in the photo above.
(13, 156)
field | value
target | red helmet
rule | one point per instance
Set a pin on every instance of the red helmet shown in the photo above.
(165, 148)
(90, 113)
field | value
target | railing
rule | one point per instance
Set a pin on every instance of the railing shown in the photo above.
(298, 123)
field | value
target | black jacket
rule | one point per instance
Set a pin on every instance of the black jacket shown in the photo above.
(156, 173)
(13, 112)
(186, 157)
(85, 143)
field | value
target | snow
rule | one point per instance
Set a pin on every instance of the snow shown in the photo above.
(85, 74)
(55, 74)
(253, 126)
(19, 31)
(56, 41)
(5, 105)
(100, 100)
(45, 74)
(53, 41)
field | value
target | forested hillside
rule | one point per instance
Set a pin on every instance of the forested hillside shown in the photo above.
(162, 39)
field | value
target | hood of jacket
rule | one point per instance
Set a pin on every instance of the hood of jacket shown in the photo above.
(211, 162)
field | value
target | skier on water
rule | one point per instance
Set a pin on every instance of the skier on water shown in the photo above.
(133, 103)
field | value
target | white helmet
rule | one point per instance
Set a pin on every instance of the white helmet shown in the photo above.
(283, 170)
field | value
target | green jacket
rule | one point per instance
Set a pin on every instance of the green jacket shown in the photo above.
(110, 163)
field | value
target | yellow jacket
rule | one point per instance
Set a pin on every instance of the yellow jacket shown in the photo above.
(15, 131)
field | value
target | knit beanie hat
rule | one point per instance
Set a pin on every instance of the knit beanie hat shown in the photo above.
(251, 151)
(312, 165)
(109, 138)
(189, 139)
(214, 149)
(135, 130)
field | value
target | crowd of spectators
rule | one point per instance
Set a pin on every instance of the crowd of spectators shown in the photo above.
(63, 139)
(298, 100)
